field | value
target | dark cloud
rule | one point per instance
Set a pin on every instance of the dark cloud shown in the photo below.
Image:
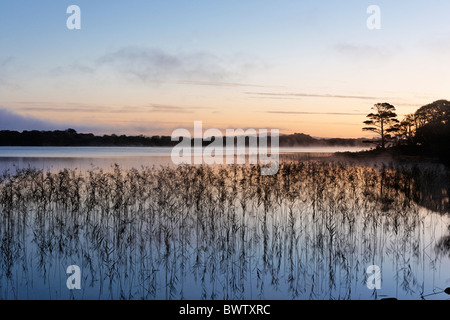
(13, 121)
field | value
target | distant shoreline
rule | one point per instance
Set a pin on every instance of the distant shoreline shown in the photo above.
(71, 138)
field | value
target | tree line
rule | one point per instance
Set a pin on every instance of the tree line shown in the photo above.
(71, 138)
(424, 132)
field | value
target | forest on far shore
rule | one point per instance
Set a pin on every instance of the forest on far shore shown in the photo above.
(71, 138)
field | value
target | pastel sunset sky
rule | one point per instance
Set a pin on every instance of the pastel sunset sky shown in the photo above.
(148, 67)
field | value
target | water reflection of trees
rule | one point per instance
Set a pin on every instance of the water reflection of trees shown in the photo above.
(215, 232)
(443, 245)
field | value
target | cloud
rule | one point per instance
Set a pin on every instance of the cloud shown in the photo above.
(438, 45)
(221, 84)
(13, 121)
(151, 65)
(71, 69)
(5, 61)
(175, 109)
(364, 51)
(168, 109)
(319, 113)
(5, 64)
(68, 107)
(10, 120)
(156, 65)
(272, 95)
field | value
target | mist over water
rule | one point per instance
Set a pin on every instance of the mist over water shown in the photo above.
(84, 158)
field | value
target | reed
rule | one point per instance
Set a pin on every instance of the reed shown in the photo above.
(222, 232)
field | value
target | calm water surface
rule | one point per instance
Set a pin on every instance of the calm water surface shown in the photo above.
(221, 232)
(127, 157)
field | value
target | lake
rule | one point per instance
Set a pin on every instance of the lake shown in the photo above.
(56, 158)
(147, 229)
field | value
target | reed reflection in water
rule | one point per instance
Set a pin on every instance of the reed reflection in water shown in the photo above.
(224, 232)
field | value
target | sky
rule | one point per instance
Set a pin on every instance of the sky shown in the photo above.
(149, 67)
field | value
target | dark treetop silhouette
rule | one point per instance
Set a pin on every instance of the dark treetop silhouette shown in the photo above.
(425, 133)
(381, 122)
